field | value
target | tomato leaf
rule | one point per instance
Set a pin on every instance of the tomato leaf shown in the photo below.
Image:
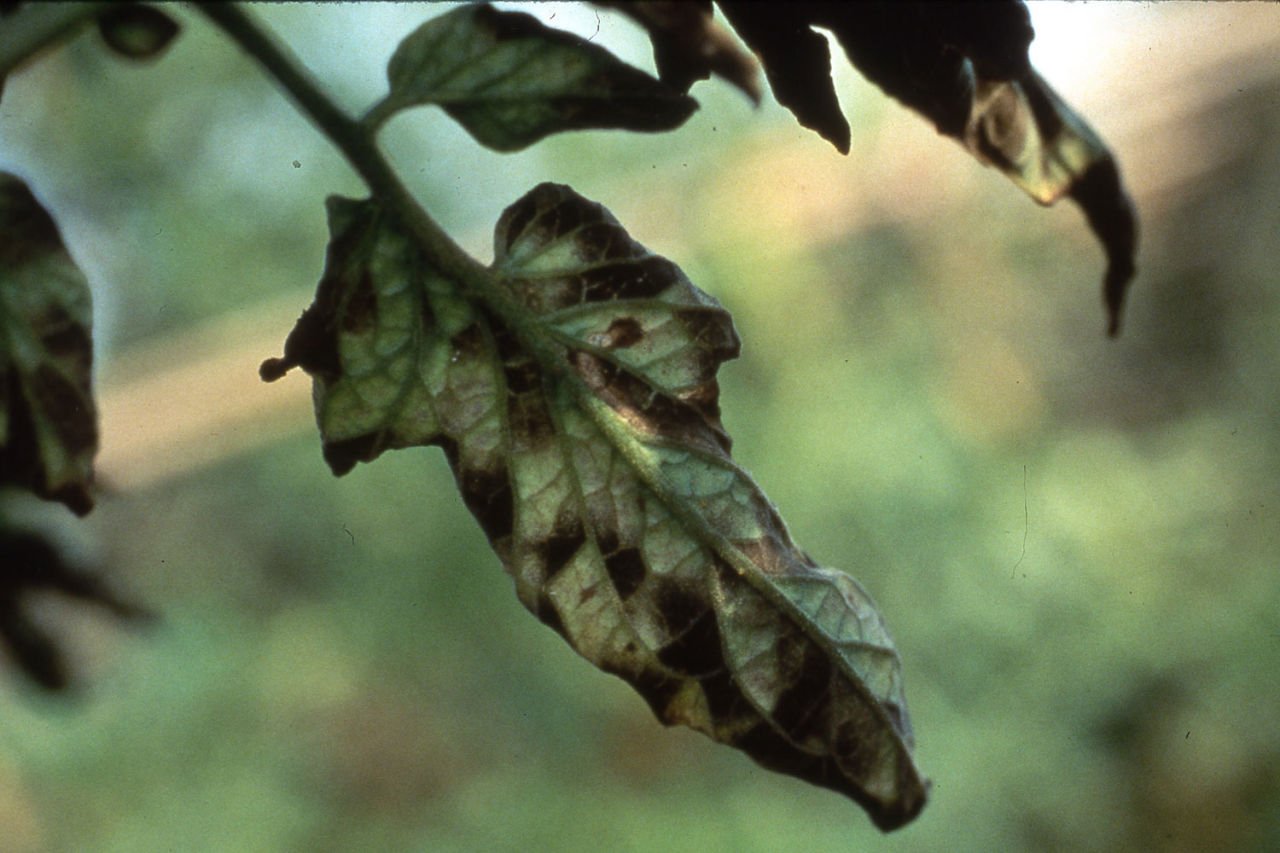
(963, 66)
(587, 442)
(48, 421)
(510, 81)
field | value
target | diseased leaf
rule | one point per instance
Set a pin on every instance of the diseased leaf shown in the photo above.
(48, 422)
(588, 444)
(510, 81)
(28, 563)
(964, 66)
(688, 44)
(137, 31)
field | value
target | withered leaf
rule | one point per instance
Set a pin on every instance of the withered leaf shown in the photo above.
(964, 66)
(510, 80)
(688, 44)
(136, 30)
(586, 439)
(48, 422)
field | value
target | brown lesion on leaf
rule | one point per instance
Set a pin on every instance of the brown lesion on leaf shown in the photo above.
(801, 710)
(694, 422)
(627, 570)
(566, 539)
(360, 308)
(622, 333)
(66, 408)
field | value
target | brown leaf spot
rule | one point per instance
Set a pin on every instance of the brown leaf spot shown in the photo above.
(548, 615)
(65, 406)
(801, 708)
(343, 455)
(696, 651)
(627, 570)
(361, 310)
(561, 547)
(622, 333)
(488, 496)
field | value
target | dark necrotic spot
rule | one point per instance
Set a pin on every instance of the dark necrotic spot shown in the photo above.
(622, 333)
(657, 690)
(602, 241)
(800, 710)
(469, 342)
(627, 570)
(522, 376)
(63, 337)
(65, 407)
(549, 616)
(359, 313)
(638, 279)
(516, 219)
(529, 420)
(558, 549)
(696, 649)
(724, 700)
(488, 496)
(343, 455)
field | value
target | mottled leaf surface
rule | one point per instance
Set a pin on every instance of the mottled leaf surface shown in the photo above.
(510, 80)
(964, 66)
(588, 444)
(48, 422)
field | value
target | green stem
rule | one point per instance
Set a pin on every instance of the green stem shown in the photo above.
(358, 145)
(36, 26)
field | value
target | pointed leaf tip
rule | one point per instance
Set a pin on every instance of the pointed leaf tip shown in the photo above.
(511, 81)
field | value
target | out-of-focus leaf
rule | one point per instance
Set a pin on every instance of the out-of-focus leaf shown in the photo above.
(588, 445)
(29, 563)
(688, 44)
(136, 31)
(48, 422)
(796, 62)
(963, 66)
(510, 81)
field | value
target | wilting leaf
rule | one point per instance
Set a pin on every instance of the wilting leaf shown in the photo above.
(688, 44)
(963, 66)
(511, 81)
(587, 442)
(136, 31)
(29, 563)
(48, 423)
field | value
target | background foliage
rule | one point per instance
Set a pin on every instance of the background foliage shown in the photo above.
(1072, 538)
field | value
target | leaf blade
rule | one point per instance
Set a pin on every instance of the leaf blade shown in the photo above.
(48, 420)
(510, 81)
(586, 439)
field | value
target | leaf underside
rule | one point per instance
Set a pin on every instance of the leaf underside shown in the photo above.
(510, 81)
(964, 66)
(48, 421)
(588, 445)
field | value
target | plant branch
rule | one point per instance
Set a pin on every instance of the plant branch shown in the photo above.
(36, 26)
(357, 142)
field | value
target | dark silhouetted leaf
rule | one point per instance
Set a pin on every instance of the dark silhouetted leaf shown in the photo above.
(587, 442)
(511, 81)
(48, 423)
(136, 31)
(29, 563)
(964, 66)
(796, 62)
(688, 44)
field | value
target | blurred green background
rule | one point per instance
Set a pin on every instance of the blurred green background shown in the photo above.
(1074, 540)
